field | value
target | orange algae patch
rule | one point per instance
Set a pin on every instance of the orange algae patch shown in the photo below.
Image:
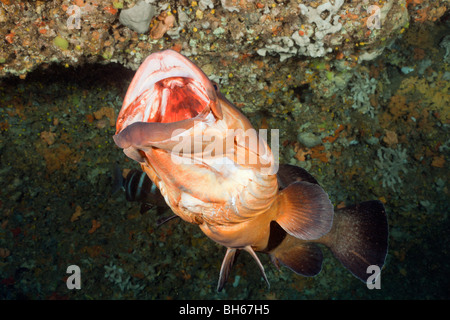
(79, 3)
(333, 138)
(318, 152)
(110, 10)
(76, 215)
(93, 251)
(438, 162)
(10, 37)
(163, 23)
(95, 225)
(106, 112)
(59, 157)
(177, 47)
(390, 138)
(301, 154)
(408, 2)
(48, 137)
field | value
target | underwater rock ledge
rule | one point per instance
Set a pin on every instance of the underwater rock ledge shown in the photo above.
(73, 33)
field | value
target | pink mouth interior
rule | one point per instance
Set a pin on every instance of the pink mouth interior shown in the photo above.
(179, 98)
(168, 100)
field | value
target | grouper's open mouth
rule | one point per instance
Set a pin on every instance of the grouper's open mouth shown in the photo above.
(168, 93)
(167, 88)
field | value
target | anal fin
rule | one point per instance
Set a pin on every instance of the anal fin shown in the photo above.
(304, 258)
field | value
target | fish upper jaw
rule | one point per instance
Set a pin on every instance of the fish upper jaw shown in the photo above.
(167, 88)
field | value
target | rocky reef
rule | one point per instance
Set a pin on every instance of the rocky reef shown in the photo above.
(71, 33)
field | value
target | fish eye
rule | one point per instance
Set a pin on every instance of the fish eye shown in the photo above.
(216, 87)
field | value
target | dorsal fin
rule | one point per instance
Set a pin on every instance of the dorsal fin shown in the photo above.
(288, 174)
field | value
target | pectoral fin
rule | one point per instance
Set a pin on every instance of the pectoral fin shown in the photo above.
(261, 268)
(305, 211)
(228, 261)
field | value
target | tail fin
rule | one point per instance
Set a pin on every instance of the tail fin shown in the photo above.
(359, 237)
